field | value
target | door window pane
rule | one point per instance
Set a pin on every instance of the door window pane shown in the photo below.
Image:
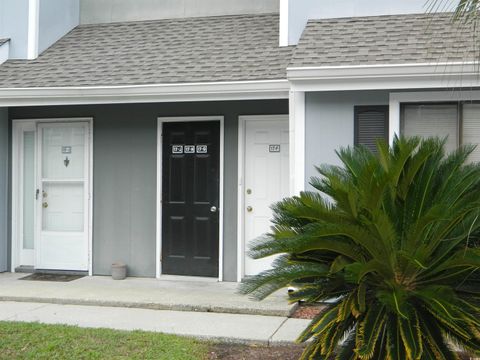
(63, 152)
(28, 188)
(432, 120)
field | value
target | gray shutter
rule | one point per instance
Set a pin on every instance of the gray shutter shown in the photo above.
(371, 124)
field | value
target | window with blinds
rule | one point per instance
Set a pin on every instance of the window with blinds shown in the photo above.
(432, 120)
(371, 124)
(459, 123)
(471, 129)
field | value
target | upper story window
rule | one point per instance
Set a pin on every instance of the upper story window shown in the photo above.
(371, 124)
(459, 122)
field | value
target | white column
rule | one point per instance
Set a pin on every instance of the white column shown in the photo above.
(393, 119)
(297, 141)
(33, 19)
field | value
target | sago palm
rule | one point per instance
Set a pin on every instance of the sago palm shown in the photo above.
(391, 241)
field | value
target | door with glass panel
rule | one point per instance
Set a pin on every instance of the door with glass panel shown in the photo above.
(61, 241)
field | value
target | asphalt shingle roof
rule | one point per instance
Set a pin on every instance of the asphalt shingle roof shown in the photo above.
(222, 48)
(392, 39)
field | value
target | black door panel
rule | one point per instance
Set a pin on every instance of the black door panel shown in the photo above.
(190, 188)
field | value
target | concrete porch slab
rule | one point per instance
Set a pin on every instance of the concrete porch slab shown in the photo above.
(167, 293)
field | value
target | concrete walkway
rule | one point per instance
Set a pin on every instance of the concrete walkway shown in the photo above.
(168, 293)
(234, 328)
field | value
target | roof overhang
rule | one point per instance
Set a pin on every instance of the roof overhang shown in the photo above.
(376, 77)
(212, 91)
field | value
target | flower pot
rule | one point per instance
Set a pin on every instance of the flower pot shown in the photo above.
(119, 271)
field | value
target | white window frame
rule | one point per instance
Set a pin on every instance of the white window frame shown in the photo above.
(17, 203)
(158, 251)
(399, 98)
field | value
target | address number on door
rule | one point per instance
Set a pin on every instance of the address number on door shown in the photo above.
(274, 148)
(189, 149)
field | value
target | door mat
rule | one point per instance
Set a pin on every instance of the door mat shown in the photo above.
(51, 277)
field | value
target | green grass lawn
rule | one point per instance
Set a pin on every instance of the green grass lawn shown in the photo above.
(38, 341)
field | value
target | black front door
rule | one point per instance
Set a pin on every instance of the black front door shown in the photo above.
(190, 198)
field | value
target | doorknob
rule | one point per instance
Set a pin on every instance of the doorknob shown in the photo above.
(213, 209)
(249, 209)
(45, 205)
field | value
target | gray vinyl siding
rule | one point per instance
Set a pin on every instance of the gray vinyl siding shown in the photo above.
(124, 180)
(3, 189)
(329, 124)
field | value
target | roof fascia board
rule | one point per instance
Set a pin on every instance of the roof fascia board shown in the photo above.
(214, 91)
(396, 76)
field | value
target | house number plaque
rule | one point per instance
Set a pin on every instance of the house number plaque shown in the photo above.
(189, 149)
(202, 149)
(177, 149)
(275, 148)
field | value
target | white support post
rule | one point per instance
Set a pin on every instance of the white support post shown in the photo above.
(33, 20)
(393, 120)
(297, 141)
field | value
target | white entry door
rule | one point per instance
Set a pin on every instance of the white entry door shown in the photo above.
(62, 196)
(266, 179)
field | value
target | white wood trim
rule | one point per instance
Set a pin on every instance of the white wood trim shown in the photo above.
(297, 142)
(384, 76)
(16, 206)
(33, 28)
(397, 98)
(284, 22)
(242, 120)
(158, 249)
(211, 91)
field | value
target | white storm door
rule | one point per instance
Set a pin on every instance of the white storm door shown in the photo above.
(266, 180)
(62, 196)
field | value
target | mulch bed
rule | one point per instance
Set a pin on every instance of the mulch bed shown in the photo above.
(242, 352)
(307, 311)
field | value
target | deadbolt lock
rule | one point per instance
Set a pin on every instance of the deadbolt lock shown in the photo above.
(249, 209)
(45, 205)
(249, 191)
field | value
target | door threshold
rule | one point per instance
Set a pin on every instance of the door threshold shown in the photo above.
(187, 278)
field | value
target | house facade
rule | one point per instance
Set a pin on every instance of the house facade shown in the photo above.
(158, 133)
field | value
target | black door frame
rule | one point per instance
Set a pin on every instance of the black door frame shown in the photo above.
(160, 122)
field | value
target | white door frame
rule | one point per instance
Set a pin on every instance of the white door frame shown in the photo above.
(17, 163)
(242, 120)
(160, 121)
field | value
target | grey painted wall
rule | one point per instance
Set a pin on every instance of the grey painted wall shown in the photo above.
(3, 188)
(56, 18)
(14, 25)
(101, 11)
(329, 124)
(125, 175)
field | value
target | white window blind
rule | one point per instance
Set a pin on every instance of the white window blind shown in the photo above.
(432, 120)
(471, 129)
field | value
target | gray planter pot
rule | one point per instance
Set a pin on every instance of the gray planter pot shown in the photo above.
(119, 271)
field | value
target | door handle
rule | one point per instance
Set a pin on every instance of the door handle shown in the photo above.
(45, 205)
(213, 209)
(249, 208)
